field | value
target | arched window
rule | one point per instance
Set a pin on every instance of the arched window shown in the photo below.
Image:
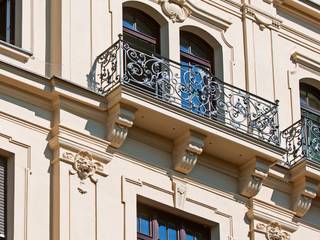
(196, 57)
(141, 30)
(309, 100)
(195, 52)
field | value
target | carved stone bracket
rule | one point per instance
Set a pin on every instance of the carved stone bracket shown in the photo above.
(180, 193)
(120, 119)
(306, 181)
(252, 175)
(304, 191)
(186, 151)
(176, 10)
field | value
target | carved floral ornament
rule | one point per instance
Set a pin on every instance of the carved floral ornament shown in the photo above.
(84, 165)
(176, 10)
(273, 231)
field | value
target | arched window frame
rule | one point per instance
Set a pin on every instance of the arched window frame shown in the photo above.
(305, 105)
(190, 56)
(152, 38)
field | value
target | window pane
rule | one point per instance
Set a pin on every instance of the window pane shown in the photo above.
(162, 232)
(184, 45)
(200, 50)
(172, 233)
(314, 102)
(144, 226)
(128, 24)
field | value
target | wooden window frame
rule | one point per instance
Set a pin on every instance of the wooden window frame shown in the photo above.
(157, 216)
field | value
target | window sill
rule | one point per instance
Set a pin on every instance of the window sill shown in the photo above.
(14, 52)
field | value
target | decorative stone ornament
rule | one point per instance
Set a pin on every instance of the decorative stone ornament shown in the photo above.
(252, 175)
(120, 119)
(176, 10)
(85, 166)
(180, 193)
(186, 151)
(304, 191)
(273, 231)
(306, 182)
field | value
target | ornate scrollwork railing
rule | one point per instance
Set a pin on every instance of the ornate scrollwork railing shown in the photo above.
(302, 140)
(191, 88)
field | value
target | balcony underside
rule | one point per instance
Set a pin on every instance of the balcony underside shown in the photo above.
(170, 121)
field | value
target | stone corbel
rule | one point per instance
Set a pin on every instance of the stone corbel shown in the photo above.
(120, 119)
(252, 175)
(304, 190)
(306, 181)
(186, 151)
(176, 10)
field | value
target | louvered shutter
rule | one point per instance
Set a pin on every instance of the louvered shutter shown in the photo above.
(3, 197)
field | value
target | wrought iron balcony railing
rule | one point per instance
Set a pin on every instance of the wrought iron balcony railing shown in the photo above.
(302, 139)
(191, 88)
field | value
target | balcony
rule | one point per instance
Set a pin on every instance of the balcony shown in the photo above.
(170, 100)
(302, 139)
(194, 89)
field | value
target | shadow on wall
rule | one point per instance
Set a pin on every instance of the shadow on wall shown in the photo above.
(37, 111)
(281, 199)
(95, 129)
(91, 77)
(312, 216)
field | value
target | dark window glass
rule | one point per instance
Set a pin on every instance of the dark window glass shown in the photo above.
(309, 99)
(140, 30)
(196, 50)
(160, 225)
(7, 14)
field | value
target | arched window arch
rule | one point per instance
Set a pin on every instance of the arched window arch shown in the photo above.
(141, 30)
(309, 100)
(195, 51)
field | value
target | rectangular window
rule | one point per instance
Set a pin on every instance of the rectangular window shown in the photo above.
(3, 198)
(7, 16)
(153, 224)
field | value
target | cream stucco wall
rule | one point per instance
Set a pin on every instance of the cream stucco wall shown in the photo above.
(49, 119)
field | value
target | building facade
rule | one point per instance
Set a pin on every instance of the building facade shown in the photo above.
(160, 119)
